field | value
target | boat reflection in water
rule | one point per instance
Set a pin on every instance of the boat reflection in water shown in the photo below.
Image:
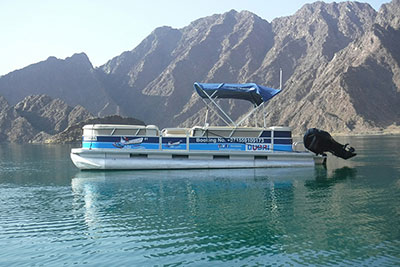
(281, 215)
(197, 204)
(137, 191)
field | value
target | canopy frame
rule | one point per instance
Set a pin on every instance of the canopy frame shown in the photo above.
(213, 105)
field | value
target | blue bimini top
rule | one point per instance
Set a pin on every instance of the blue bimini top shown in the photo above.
(256, 94)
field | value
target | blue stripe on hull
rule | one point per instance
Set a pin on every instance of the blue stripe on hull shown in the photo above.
(195, 144)
(283, 148)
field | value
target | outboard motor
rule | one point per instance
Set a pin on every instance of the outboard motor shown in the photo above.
(319, 141)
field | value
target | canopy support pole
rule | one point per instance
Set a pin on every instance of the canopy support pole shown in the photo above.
(220, 109)
(208, 106)
(248, 114)
(206, 119)
(265, 114)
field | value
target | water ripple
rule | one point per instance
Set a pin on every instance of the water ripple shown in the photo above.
(321, 217)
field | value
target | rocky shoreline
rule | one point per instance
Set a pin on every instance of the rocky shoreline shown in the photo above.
(39, 119)
(42, 119)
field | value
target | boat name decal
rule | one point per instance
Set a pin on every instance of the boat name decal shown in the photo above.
(258, 147)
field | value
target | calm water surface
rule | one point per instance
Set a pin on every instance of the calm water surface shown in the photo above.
(52, 214)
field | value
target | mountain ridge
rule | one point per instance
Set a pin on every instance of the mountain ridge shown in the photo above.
(340, 66)
(36, 118)
(42, 119)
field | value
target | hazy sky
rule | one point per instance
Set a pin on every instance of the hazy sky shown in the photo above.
(33, 30)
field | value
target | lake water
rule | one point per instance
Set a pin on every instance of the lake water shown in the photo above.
(52, 214)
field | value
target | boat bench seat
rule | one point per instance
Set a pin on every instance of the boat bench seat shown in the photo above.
(175, 132)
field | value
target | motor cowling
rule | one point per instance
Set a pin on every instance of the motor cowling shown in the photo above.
(319, 142)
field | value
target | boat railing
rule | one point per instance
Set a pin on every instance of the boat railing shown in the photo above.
(152, 130)
(120, 130)
(298, 146)
(180, 132)
(226, 131)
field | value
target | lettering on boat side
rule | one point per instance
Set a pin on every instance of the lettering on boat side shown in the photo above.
(206, 140)
(246, 140)
(225, 146)
(258, 147)
(231, 140)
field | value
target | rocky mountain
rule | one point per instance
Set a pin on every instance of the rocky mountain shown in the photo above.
(42, 119)
(74, 80)
(36, 118)
(340, 65)
(356, 86)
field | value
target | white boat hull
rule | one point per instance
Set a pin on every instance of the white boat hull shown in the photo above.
(112, 160)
